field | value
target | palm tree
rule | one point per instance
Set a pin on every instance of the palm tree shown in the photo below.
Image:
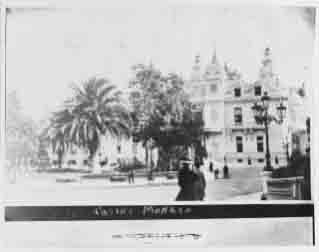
(95, 110)
(59, 143)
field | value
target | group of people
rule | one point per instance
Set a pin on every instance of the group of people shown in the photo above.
(192, 182)
(216, 171)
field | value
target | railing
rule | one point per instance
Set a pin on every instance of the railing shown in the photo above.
(285, 188)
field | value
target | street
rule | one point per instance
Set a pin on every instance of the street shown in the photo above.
(243, 181)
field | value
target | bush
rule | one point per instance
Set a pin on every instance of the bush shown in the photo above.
(118, 178)
(65, 180)
(71, 162)
(129, 164)
(63, 170)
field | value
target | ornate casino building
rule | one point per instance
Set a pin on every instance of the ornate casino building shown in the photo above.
(226, 101)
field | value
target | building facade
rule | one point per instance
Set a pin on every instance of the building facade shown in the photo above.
(226, 100)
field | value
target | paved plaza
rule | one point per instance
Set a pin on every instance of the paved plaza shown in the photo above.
(244, 183)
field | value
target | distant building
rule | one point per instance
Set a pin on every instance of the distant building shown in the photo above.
(226, 100)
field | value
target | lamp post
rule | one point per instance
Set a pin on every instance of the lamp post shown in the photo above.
(262, 116)
(286, 145)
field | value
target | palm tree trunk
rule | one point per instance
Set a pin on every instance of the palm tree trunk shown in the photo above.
(94, 154)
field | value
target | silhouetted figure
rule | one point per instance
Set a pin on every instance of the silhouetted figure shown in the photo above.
(211, 167)
(186, 179)
(226, 171)
(216, 173)
(131, 176)
(199, 184)
(276, 163)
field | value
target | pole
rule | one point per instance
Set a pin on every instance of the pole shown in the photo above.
(287, 153)
(268, 163)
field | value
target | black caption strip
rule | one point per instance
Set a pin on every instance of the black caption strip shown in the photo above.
(148, 212)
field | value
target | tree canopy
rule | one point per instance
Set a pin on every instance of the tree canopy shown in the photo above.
(94, 110)
(163, 112)
(21, 131)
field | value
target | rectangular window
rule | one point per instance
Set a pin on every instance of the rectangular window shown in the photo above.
(238, 116)
(239, 144)
(260, 160)
(258, 91)
(260, 144)
(237, 92)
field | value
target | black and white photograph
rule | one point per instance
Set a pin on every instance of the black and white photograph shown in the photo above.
(171, 104)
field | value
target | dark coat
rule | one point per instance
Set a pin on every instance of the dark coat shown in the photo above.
(186, 179)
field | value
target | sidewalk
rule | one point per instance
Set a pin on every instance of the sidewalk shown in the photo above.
(247, 197)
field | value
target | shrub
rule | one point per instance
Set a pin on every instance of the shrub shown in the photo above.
(71, 162)
(128, 164)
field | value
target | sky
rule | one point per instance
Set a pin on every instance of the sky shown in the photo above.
(47, 50)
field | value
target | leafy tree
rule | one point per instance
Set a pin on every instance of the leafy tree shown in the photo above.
(163, 114)
(95, 110)
(21, 132)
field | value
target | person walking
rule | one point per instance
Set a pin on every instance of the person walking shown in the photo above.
(226, 171)
(216, 173)
(199, 184)
(211, 167)
(186, 179)
(131, 175)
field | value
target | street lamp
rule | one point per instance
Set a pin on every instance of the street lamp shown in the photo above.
(262, 116)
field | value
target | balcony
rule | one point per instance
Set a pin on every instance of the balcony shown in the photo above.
(247, 126)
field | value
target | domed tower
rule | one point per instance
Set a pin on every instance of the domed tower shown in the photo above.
(266, 70)
(213, 80)
(268, 80)
(214, 69)
(196, 70)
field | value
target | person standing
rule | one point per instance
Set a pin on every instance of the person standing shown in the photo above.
(131, 175)
(276, 166)
(216, 173)
(226, 171)
(186, 179)
(211, 167)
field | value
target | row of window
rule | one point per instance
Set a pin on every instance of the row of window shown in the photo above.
(257, 91)
(237, 91)
(259, 160)
(240, 144)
